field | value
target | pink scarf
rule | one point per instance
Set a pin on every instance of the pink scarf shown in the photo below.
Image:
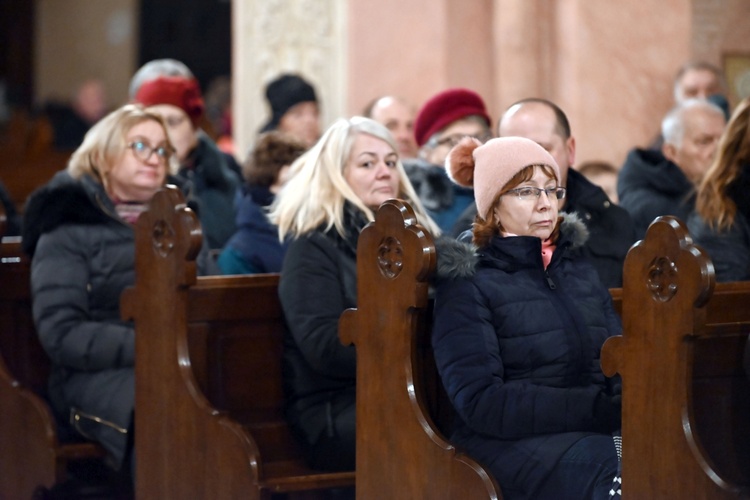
(548, 248)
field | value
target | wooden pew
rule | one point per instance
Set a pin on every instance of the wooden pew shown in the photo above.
(27, 156)
(686, 430)
(686, 400)
(209, 419)
(401, 452)
(33, 453)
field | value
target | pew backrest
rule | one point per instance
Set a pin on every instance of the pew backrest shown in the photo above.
(686, 401)
(209, 392)
(33, 451)
(401, 451)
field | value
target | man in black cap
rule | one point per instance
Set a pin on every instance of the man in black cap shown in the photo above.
(294, 108)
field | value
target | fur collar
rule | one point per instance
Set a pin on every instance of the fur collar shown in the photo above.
(64, 200)
(459, 259)
(431, 183)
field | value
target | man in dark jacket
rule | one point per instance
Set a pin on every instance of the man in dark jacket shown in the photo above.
(611, 230)
(653, 183)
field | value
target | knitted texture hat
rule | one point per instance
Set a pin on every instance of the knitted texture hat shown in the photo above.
(445, 108)
(184, 93)
(490, 166)
(283, 93)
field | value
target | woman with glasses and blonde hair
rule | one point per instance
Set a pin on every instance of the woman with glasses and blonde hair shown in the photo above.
(721, 221)
(520, 319)
(79, 232)
(333, 192)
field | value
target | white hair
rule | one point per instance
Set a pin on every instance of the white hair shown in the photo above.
(673, 124)
(155, 69)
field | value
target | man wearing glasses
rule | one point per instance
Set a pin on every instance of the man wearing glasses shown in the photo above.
(441, 122)
(611, 230)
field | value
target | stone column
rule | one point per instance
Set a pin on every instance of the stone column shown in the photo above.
(270, 37)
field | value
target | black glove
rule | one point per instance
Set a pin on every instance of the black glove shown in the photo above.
(607, 413)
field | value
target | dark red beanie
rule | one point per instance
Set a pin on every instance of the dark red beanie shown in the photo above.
(185, 93)
(445, 108)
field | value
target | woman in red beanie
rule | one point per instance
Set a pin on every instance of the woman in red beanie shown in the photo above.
(441, 122)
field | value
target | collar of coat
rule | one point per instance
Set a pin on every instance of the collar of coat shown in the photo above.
(459, 259)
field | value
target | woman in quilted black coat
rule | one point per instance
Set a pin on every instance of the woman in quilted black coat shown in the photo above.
(79, 231)
(519, 326)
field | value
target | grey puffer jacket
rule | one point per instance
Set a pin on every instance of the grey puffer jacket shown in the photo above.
(518, 347)
(82, 259)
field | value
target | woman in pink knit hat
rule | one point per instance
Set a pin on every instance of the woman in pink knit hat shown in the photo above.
(520, 319)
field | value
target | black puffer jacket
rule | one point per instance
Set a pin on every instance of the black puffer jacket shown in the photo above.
(518, 350)
(649, 185)
(82, 260)
(611, 229)
(318, 282)
(214, 185)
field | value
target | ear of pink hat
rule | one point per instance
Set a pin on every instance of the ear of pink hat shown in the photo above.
(489, 167)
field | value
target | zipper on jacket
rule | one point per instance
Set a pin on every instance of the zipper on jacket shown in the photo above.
(550, 282)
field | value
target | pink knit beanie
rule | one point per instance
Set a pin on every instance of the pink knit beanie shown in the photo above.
(490, 166)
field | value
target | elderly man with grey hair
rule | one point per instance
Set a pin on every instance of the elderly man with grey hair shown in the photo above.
(653, 183)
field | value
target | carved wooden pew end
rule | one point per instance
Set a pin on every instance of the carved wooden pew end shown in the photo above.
(34, 452)
(209, 397)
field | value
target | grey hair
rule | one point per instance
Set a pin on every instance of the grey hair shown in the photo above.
(155, 69)
(673, 124)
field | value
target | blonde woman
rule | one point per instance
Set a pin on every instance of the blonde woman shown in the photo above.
(333, 193)
(79, 231)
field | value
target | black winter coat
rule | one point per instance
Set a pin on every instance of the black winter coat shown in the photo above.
(318, 282)
(610, 227)
(518, 350)
(649, 185)
(82, 260)
(214, 185)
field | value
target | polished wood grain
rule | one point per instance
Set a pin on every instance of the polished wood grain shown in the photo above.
(32, 453)
(686, 400)
(401, 451)
(209, 421)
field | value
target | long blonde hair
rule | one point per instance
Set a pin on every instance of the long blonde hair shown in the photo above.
(105, 143)
(713, 203)
(316, 192)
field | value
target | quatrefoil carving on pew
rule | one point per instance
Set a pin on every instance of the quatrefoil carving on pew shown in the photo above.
(390, 257)
(163, 238)
(662, 279)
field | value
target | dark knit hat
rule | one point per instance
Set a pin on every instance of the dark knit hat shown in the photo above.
(445, 108)
(283, 93)
(185, 93)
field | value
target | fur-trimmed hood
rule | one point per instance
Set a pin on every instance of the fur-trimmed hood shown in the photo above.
(64, 200)
(431, 183)
(459, 258)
